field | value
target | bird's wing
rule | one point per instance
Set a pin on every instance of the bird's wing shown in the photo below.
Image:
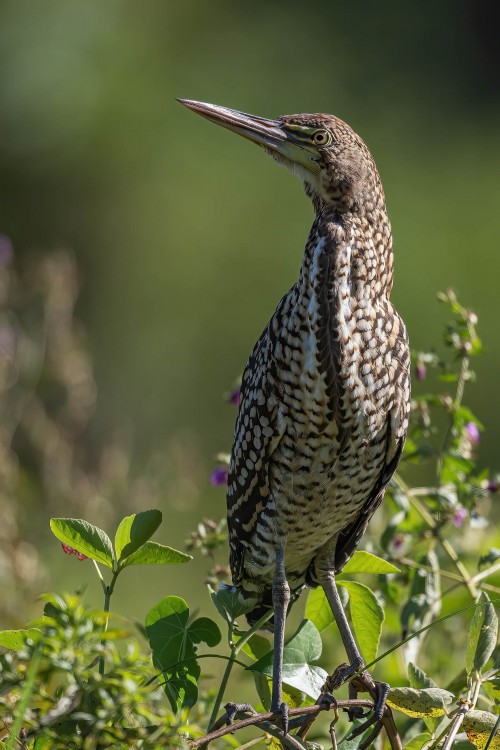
(255, 439)
(397, 425)
(350, 537)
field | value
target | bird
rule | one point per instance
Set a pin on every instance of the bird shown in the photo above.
(325, 394)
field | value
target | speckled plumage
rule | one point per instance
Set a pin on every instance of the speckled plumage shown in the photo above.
(325, 394)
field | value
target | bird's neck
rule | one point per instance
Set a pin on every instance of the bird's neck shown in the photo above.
(350, 253)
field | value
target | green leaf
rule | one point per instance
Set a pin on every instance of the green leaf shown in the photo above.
(367, 617)
(204, 630)
(231, 603)
(417, 742)
(365, 562)
(318, 610)
(16, 639)
(482, 636)
(303, 648)
(152, 553)
(420, 703)
(173, 643)
(134, 531)
(479, 725)
(166, 626)
(418, 678)
(256, 646)
(82, 536)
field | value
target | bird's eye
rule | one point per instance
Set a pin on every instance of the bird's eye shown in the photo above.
(321, 138)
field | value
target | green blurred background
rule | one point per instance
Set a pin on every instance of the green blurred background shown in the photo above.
(186, 236)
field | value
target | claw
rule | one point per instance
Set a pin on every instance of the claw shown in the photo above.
(234, 708)
(284, 718)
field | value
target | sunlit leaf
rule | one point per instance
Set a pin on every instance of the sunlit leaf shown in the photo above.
(152, 553)
(479, 725)
(134, 531)
(257, 646)
(84, 537)
(16, 639)
(482, 636)
(303, 648)
(420, 703)
(318, 611)
(366, 562)
(367, 617)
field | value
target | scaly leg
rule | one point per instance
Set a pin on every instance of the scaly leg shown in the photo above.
(281, 599)
(378, 690)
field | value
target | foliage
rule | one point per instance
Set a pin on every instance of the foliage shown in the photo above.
(86, 679)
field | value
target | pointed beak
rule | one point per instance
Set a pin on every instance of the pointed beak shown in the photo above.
(269, 134)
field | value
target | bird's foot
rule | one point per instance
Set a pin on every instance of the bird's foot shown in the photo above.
(282, 712)
(343, 673)
(379, 691)
(364, 682)
(236, 708)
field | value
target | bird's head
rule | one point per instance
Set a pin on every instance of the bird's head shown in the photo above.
(323, 151)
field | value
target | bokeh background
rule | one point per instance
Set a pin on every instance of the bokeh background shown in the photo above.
(175, 239)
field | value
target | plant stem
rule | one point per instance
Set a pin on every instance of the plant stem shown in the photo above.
(108, 592)
(20, 709)
(225, 678)
(235, 648)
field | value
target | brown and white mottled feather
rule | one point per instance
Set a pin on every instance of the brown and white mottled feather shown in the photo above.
(325, 394)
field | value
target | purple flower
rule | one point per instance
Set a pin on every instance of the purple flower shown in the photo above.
(472, 432)
(420, 371)
(492, 486)
(6, 251)
(218, 477)
(459, 516)
(234, 397)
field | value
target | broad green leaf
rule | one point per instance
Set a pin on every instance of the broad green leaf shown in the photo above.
(420, 703)
(418, 742)
(231, 603)
(166, 626)
(16, 639)
(256, 647)
(204, 630)
(318, 610)
(134, 531)
(82, 536)
(152, 553)
(367, 617)
(418, 678)
(173, 643)
(365, 562)
(479, 725)
(482, 636)
(303, 648)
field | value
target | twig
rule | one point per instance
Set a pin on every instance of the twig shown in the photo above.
(264, 722)
(455, 726)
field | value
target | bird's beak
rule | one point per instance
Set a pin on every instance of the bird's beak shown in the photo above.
(270, 134)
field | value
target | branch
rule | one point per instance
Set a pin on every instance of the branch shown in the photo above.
(264, 722)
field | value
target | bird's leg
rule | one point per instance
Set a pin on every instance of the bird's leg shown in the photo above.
(378, 690)
(281, 598)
